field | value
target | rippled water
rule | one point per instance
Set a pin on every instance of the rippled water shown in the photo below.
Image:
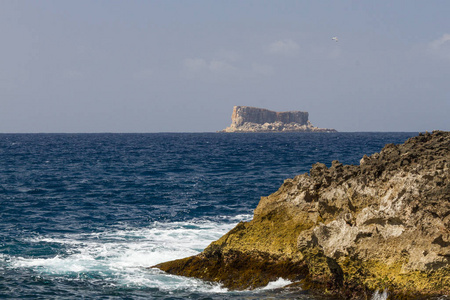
(86, 215)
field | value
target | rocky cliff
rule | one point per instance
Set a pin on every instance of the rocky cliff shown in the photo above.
(252, 119)
(347, 230)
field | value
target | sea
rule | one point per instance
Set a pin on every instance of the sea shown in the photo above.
(86, 216)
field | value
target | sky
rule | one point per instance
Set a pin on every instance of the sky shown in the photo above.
(180, 66)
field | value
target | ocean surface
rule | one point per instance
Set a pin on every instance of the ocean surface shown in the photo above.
(84, 216)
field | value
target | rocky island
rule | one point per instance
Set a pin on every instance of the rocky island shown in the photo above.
(348, 230)
(252, 119)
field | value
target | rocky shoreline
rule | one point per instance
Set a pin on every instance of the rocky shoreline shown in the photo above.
(276, 127)
(346, 231)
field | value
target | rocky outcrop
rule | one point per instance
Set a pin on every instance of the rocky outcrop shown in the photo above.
(252, 119)
(242, 114)
(347, 230)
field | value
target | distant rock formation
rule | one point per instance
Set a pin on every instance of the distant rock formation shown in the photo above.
(348, 230)
(253, 119)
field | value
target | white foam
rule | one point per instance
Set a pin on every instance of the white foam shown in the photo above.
(123, 256)
(380, 296)
(239, 218)
(279, 283)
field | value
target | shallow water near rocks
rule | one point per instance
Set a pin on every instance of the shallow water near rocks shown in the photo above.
(86, 215)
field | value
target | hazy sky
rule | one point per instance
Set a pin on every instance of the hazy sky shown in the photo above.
(181, 66)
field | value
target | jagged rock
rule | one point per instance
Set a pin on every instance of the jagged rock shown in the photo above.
(252, 119)
(346, 230)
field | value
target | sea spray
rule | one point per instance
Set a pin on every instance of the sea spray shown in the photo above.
(279, 283)
(122, 257)
(380, 295)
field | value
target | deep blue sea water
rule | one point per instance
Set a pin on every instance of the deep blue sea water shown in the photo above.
(85, 215)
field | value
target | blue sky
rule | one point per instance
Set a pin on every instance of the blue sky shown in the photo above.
(181, 66)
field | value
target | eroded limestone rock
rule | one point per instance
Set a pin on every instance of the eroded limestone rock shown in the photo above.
(347, 230)
(253, 119)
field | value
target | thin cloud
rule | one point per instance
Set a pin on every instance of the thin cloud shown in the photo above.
(195, 64)
(201, 65)
(441, 46)
(437, 44)
(222, 68)
(283, 47)
(259, 69)
(227, 55)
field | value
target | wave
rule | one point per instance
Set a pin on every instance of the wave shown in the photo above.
(279, 283)
(380, 295)
(123, 257)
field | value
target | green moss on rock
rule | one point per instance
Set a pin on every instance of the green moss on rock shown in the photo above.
(237, 270)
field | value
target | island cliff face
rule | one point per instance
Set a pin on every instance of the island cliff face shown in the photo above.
(347, 230)
(252, 119)
(242, 114)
